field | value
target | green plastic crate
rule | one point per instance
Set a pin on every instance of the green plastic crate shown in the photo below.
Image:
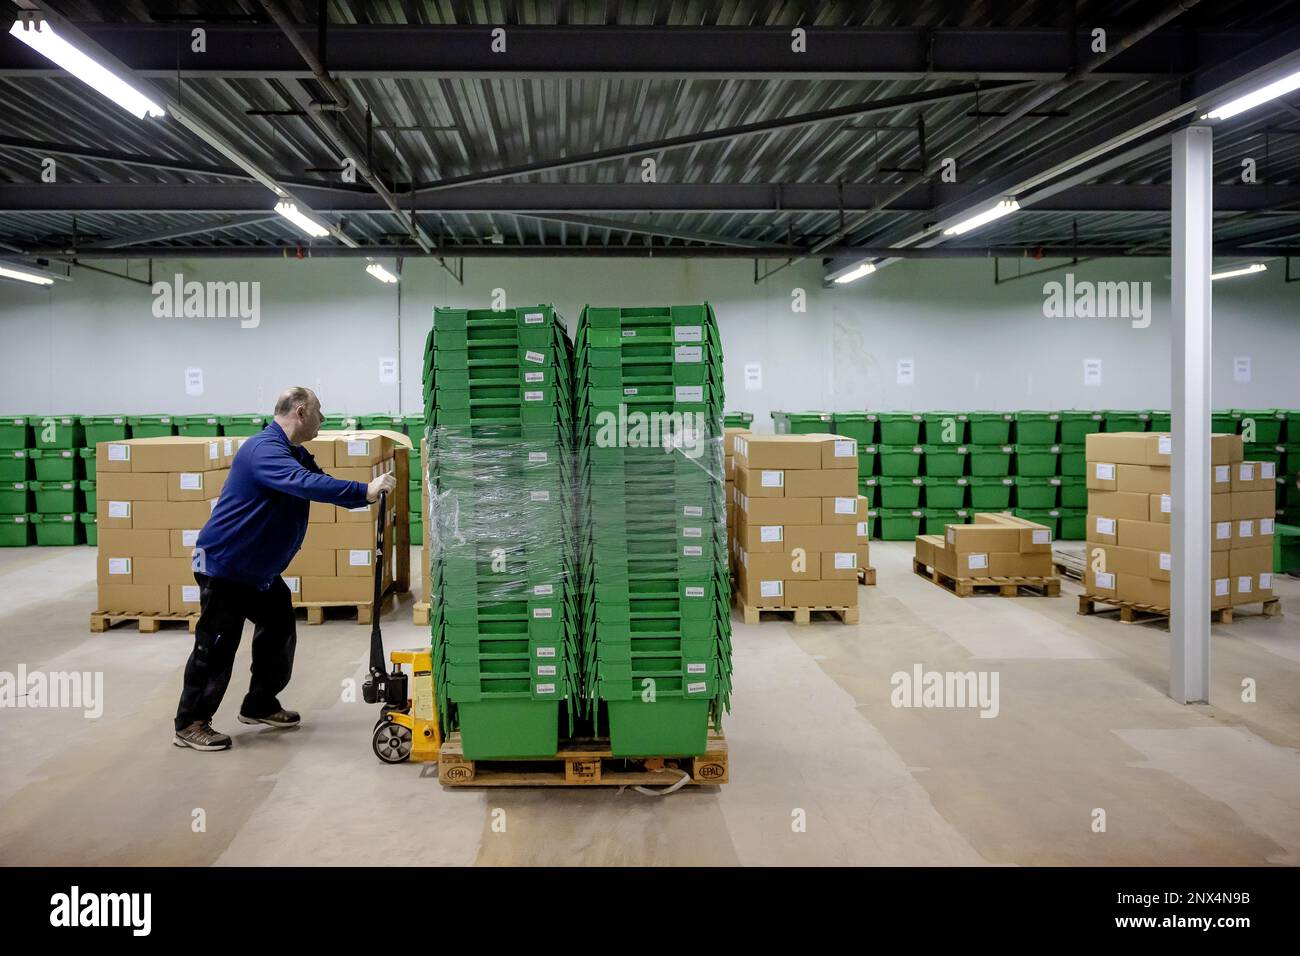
(1268, 423)
(87, 456)
(237, 426)
(1077, 425)
(56, 431)
(868, 486)
(810, 423)
(990, 493)
(1039, 461)
(1038, 493)
(339, 423)
(391, 423)
(56, 531)
(990, 428)
(55, 497)
(14, 432)
(948, 461)
(945, 428)
(89, 528)
(990, 461)
(15, 498)
(199, 426)
(737, 419)
(667, 727)
(15, 464)
(936, 519)
(1048, 517)
(868, 456)
(873, 523)
(855, 425)
(1161, 421)
(949, 493)
(1074, 492)
(1074, 524)
(1038, 428)
(151, 426)
(1223, 423)
(1274, 453)
(900, 524)
(55, 464)
(87, 494)
(1126, 421)
(1074, 461)
(898, 493)
(417, 533)
(899, 428)
(899, 461)
(501, 729)
(15, 531)
(98, 428)
(415, 427)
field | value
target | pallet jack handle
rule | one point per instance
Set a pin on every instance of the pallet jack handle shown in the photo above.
(377, 661)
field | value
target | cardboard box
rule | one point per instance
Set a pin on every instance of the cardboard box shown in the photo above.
(1146, 535)
(1253, 504)
(822, 593)
(1142, 479)
(848, 510)
(134, 598)
(1034, 537)
(823, 483)
(350, 590)
(925, 548)
(864, 556)
(1162, 508)
(784, 566)
(779, 451)
(196, 485)
(1253, 533)
(322, 450)
(140, 544)
(1120, 504)
(1138, 589)
(169, 515)
(355, 562)
(1102, 529)
(113, 514)
(176, 453)
(757, 592)
(182, 541)
(368, 514)
(314, 562)
(987, 538)
(782, 511)
(131, 487)
(336, 537)
(772, 539)
(1119, 560)
(839, 565)
(361, 449)
(839, 453)
(163, 571)
(1254, 476)
(183, 598)
(320, 513)
(113, 568)
(1154, 448)
(1100, 583)
(764, 482)
(364, 474)
(294, 583)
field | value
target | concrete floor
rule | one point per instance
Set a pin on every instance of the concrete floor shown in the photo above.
(1084, 725)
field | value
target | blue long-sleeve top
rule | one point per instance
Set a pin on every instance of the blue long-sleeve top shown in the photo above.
(260, 520)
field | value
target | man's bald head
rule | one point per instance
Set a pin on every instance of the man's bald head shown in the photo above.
(298, 412)
(291, 398)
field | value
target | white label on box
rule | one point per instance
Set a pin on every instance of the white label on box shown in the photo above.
(190, 593)
(1166, 562)
(1221, 587)
(533, 396)
(359, 558)
(535, 378)
(692, 532)
(1265, 525)
(773, 479)
(629, 333)
(744, 501)
(1223, 530)
(693, 511)
(846, 506)
(1245, 583)
(845, 560)
(294, 584)
(119, 509)
(537, 358)
(905, 372)
(191, 480)
(1166, 504)
(1042, 537)
(534, 318)
(692, 551)
(119, 565)
(545, 688)
(692, 354)
(753, 376)
(214, 450)
(545, 670)
(1268, 471)
(119, 452)
(543, 613)
(770, 589)
(696, 687)
(387, 370)
(1164, 445)
(862, 529)
(1246, 472)
(358, 448)
(744, 557)
(1265, 580)
(230, 447)
(846, 448)
(1105, 580)
(771, 532)
(189, 537)
(1105, 525)
(694, 592)
(977, 561)
(1104, 472)
(1246, 529)
(543, 589)
(688, 333)
(546, 652)
(951, 535)
(539, 496)
(1222, 474)
(690, 393)
(697, 668)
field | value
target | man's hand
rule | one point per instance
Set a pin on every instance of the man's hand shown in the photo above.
(382, 483)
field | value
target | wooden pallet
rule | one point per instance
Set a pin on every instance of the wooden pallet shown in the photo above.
(584, 763)
(867, 576)
(101, 621)
(1131, 612)
(800, 615)
(1002, 586)
(420, 614)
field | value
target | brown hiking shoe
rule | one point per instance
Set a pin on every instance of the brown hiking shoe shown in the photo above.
(281, 718)
(200, 736)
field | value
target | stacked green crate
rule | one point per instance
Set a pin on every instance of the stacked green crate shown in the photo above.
(334, 422)
(385, 421)
(198, 426)
(498, 392)
(803, 423)
(15, 472)
(860, 426)
(656, 622)
(55, 494)
(1117, 420)
(945, 428)
(151, 426)
(1288, 501)
(96, 429)
(990, 428)
(242, 425)
(1077, 425)
(738, 420)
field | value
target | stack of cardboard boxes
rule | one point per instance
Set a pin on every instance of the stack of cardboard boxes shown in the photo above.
(800, 529)
(1129, 510)
(995, 546)
(729, 467)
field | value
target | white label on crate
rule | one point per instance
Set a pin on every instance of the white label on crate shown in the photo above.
(539, 496)
(1105, 525)
(545, 670)
(771, 532)
(692, 551)
(1265, 580)
(1042, 537)
(119, 565)
(537, 358)
(1166, 504)
(690, 393)
(1166, 562)
(190, 593)
(1164, 445)
(753, 376)
(688, 354)
(191, 480)
(1105, 580)
(65, 454)
(629, 333)
(1246, 472)
(696, 687)
(543, 589)
(358, 448)
(1265, 525)
(770, 589)
(189, 537)
(535, 378)
(537, 457)
(1223, 530)
(533, 396)
(534, 318)
(546, 652)
(688, 333)
(119, 509)
(697, 668)
(1246, 529)
(862, 529)
(1221, 587)
(1245, 583)
(772, 479)
(359, 558)
(846, 448)
(1222, 474)
(119, 452)
(631, 390)
(846, 506)
(1268, 471)
(543, 613)
(977, 561)
(692, 532)
(693, 511)
(294, 584)
(693, 591)
(546, 688)
(1104, 471)
(845, 560)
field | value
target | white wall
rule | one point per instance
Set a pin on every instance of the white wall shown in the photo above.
(94, 345)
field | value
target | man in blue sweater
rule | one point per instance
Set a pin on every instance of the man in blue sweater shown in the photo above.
(256, 528)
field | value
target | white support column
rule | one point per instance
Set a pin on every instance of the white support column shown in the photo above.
(1193, 221)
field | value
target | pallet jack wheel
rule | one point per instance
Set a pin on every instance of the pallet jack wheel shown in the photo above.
(384, 714)
(392, 742)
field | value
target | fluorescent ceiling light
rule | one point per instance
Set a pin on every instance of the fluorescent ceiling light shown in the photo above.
(300, 219)
(1251, 100)
(40, 36)
(380, 273)
(1243, 271)
(863, 270)
(36, 279)
(1004, 208)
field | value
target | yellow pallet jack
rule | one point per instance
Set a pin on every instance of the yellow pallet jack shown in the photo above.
(407, 728)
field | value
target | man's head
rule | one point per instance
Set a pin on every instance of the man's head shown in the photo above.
(298, 413)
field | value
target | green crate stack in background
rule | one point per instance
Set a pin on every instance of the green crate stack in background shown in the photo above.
(656, 620)
(16, 530)
(738, 420)
(803, 423)
(498, 390)
(53, 490)
(242, 426)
